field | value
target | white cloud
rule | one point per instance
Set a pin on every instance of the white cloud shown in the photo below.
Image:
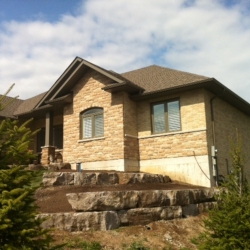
(203, 37)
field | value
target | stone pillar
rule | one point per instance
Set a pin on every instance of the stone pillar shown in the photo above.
(48, 151)
(48, 155)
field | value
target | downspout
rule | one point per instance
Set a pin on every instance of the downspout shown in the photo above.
(214, 154)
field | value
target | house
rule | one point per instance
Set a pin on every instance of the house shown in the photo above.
(153, 119)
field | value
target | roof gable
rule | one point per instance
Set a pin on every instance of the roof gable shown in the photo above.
(72, 75)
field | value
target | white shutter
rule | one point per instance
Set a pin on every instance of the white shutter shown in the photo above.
(159, 118)
(174, 121)
(99, 125)
(87, 127)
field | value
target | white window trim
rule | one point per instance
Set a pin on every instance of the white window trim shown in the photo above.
(91, 139)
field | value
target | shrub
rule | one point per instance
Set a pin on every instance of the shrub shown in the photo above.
(228, 225)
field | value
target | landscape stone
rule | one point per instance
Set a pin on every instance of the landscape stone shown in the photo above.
(57, 179)
(205, 206)
(103, 201)
(63, 165)
(190, 210)
(122, 214)
(84, 179)
(74, 222)
(52, 167)
(154, 198)
(97, 178)
(107, 178)
(120, 200)
(143, 216)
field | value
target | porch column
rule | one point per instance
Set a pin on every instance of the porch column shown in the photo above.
(48, 151)
(48, 129)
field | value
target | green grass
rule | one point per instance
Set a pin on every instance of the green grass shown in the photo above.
(82, 244)
(137, 246)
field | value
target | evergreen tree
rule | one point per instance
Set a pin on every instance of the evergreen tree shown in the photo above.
(228, 225)
(19, 227)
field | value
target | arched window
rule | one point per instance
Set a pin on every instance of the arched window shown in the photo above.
(92, 123)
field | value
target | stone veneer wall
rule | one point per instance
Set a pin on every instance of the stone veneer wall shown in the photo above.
(131, 143)
(183, 155)
(229, 121)
(100, 153)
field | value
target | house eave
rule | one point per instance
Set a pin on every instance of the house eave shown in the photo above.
(61, 100)
(70, 77)
(210, 84)
(123, 86)
(38, 112)
(65, 75)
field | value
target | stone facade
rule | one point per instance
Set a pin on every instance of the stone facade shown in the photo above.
(128, 143)
(106, 152)
(230, 123)
(183, 155)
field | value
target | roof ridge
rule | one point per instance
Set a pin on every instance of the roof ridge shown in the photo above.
(166, 68)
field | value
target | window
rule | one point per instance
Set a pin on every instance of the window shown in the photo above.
(58, 136)
(166, 117)
(92, 123)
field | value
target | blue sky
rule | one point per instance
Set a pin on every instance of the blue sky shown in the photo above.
(40, 38)
(47, 10)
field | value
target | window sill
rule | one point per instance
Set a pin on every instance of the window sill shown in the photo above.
(91, 139)
(172, 133)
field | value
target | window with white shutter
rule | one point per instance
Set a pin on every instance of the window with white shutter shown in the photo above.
(173, 116)
(166, 117)
(92, 124)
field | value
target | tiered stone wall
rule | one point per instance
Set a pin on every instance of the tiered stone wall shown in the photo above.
(100, 178)
(111, 209)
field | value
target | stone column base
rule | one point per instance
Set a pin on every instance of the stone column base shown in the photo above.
(48, 155)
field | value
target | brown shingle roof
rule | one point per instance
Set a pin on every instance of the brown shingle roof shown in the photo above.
(9, 110)
(151, 79)
(28, 104)
(155, 78)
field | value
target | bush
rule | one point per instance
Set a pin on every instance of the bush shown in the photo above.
(19, 227)
(228, 225)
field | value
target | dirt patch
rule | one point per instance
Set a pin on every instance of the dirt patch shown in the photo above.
(159, 235)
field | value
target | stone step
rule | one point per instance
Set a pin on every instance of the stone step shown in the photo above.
(120, 200)
(100, 178)
(108, 220)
